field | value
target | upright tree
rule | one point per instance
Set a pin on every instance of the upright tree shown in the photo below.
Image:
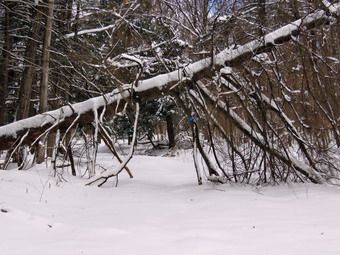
(30, 62)
(44, 83)
(7, 45)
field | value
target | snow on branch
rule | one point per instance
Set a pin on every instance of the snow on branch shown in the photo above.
(100, 29)
(257, 138)
(91, 31)
(102, 178)
(277, 37)
(332, 7)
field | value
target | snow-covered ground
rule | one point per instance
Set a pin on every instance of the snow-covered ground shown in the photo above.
(163, 211)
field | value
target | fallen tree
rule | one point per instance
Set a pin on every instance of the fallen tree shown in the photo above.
(111, 103)
(29, 131)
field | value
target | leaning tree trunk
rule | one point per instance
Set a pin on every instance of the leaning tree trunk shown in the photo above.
(30, 130)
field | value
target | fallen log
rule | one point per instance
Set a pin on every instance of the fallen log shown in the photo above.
(107, 105)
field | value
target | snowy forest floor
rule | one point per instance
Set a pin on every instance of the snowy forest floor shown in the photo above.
(163, 211)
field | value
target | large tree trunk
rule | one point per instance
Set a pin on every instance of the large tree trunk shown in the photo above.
(4, 67)
(43, 107)
(30, 61)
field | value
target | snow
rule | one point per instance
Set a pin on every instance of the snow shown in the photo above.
(271, 38)
(2, 159)
(132, 58)
(91, 31)
(333, 8)
(163, 210)
(182, 43)
(55, 116)
(224, 18)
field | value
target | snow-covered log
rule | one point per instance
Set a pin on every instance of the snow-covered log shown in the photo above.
(156, 87)
(259, 140)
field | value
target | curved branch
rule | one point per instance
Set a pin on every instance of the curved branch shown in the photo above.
(104, 177)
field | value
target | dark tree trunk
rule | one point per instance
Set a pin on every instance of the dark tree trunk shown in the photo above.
(70, 156)
(64, 15)
(29, 72)
(170, 129)
(4, 67)
(295, 8)
(262, 16)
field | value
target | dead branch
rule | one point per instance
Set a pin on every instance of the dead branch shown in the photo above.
(105, 176)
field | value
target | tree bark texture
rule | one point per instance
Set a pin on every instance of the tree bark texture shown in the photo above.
(30, 61)
(171, 131)
(43, 104)
(4, 67)
(46, 57)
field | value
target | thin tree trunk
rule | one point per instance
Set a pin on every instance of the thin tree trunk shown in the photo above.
(46, 57)
(107, 140)
(43, 107)
(170, 129)
(70, 156)
(262, 16)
